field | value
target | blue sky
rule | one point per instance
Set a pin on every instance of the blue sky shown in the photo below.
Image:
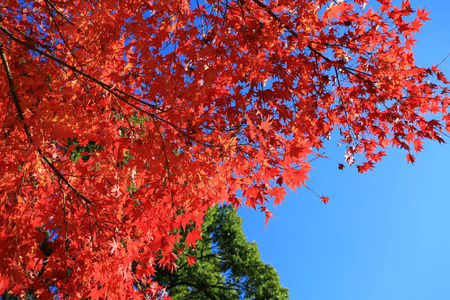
(385, 233)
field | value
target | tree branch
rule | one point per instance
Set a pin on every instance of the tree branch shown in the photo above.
(61, 176)
(14, 92)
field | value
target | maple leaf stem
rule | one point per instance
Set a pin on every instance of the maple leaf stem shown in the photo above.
(316, 157)
(312, 191)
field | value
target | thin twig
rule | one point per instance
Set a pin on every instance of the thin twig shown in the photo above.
(59, 12)
(66, 241)
(443, 60)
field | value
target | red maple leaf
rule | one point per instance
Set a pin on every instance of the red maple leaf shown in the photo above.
(193, 236)
(278, 193)
(410, 158)
(191, 260)
(422, 15)
(268, 215)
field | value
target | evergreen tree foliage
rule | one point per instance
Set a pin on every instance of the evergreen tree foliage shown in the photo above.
(227, 266)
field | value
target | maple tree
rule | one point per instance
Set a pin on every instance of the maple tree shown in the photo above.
(123, 121)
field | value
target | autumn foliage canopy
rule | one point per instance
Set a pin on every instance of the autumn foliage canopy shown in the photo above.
(123, 121)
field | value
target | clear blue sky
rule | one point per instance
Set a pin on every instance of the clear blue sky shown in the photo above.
(385, 234)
